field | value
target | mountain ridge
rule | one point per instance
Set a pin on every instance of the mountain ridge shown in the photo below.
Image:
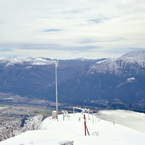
(107, 83)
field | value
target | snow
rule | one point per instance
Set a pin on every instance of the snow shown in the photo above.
(102, 132)
(115, 66)
(1, 108)
(41, 61)
(31, 61)
(101, 61)
(127, 118)
(130, 79)
(134, 55)
(110, 66)
(12, 60)
(28, 67)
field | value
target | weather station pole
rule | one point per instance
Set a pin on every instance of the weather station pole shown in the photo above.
(56, 93)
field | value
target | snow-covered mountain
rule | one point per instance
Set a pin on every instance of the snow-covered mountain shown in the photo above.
(33, 76)
(134, 59)
(29, 61)
(112, 83)
(71, 132)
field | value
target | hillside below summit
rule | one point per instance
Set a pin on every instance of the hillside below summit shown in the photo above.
(112, 83)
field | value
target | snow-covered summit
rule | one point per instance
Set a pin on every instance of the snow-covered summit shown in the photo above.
(104, 67)
(12, 60)
(119, 65)
(134, 56)
(30, 61)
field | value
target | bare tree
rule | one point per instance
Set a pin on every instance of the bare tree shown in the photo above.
(10, 129)
(14, 128)
(32, 123)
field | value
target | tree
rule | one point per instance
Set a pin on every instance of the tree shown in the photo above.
(10, 129)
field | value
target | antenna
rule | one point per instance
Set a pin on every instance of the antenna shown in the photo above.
(56, 93)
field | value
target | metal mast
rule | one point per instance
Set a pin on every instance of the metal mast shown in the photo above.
(56, 65)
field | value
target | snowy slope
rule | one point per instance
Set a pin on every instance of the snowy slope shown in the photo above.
(134, 57)
(127, 118)
(55, 132)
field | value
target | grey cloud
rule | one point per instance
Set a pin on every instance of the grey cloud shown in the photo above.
(5, 49)
(122, 50)
(31, 46)
(118, 39)
(52, 30)
(99, 19)
(117, 51)
(135, 48)
(82, 48)
(27, 46)
(87, 40)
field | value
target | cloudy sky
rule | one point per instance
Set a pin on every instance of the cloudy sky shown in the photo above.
(66, 29)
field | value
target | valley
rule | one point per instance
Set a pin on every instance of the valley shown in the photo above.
(14, 107)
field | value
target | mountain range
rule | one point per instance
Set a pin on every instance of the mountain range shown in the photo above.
(31, 77)
(113, 83)
(106, 83)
